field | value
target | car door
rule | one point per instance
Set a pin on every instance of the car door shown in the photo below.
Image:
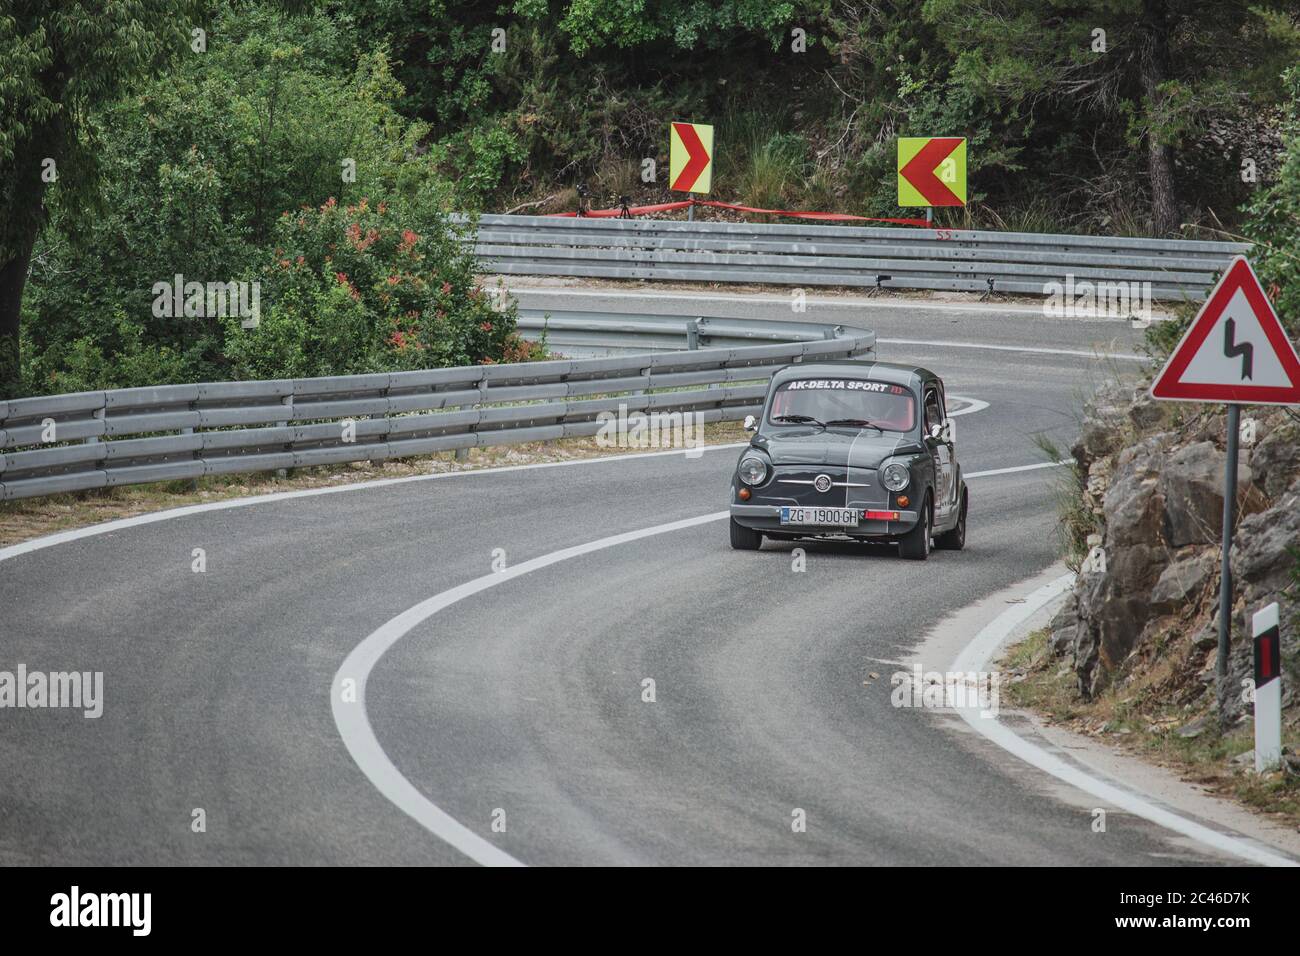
(949, 436)
(939, 441)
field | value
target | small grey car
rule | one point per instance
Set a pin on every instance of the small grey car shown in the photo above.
(856, 450)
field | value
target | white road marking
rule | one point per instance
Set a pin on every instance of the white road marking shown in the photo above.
(118, 524)
(354, 726)
(350, 718)
(359, 737)
(1007, 471)
(1124, 356)
(973, 405)
(845, 302)
(37, 544)
(975, 657)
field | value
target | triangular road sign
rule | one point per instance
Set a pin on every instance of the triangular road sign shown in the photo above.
(1235, 350)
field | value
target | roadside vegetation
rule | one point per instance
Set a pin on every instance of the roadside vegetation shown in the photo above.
(250, 140)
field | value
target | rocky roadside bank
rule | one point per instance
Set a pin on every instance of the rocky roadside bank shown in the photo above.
(1133, 651)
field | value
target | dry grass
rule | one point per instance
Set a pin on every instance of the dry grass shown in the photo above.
(31, 518)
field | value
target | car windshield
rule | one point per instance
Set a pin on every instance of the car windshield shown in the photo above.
(849, 402)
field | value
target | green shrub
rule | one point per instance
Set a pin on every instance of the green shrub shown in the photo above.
(369, 287)
(1274, 223)
(81, 364)
(201, 165)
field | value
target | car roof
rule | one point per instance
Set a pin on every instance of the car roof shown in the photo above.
(890, 372)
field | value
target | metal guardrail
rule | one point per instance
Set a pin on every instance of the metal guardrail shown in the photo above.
(578, 333)
(62, 443)
(888, 258)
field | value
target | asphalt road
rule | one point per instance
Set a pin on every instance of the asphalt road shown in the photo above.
(895, 319)
(528, 698)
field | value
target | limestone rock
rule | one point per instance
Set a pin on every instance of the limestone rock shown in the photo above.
(1184, 580)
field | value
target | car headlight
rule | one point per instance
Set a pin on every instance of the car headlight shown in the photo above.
(895, 476)
(752, 470)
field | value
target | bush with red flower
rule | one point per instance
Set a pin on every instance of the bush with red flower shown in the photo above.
(372, 286)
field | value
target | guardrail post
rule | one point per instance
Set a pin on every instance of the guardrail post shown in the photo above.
(98, 414)
(193, 483)
(370, 461)
(693, 332)
(462, 454)
(286, 401)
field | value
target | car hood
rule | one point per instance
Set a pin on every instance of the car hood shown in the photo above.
(865, 448)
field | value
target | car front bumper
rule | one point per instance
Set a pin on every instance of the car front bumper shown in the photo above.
(767, 518)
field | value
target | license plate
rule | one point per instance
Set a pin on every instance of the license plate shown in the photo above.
(843, 517)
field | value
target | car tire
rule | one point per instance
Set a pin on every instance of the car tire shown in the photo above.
(915, 545)
(745, 539)
(955, 539)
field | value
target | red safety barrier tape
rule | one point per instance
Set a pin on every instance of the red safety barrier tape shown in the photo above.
(828, 216)
(683, 204)
(618, 211)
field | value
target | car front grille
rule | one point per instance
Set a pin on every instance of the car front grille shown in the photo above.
(840, 487)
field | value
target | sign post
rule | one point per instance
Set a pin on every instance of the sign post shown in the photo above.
(1234, 351)
(1268, 688)
(1229, 509)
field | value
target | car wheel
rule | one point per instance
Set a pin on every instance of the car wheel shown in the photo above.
(955, 539)
(745, 539)
(915, 545)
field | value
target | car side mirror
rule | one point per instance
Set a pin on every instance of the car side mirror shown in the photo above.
(947, 432)
(750, 425)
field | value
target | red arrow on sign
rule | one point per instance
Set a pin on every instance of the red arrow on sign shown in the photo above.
(699, 157)
(919, 171)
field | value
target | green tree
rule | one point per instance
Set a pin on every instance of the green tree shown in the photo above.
(62, 61)
(1159, 67)
(278, 113)
(590, 24)
(1274, 223)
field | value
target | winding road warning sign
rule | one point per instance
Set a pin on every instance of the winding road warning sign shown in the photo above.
(690, 157)
(1235, 350)
(931, 171)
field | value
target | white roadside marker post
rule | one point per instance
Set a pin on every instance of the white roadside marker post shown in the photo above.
(1268, 688)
